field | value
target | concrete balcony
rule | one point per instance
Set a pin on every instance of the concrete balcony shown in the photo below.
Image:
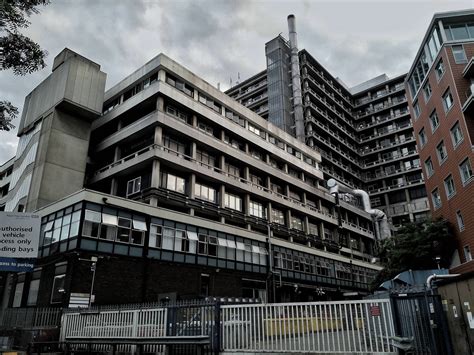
(402, 185)
(386, 131)
(391, 145)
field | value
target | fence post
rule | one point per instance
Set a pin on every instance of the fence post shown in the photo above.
(216, 341)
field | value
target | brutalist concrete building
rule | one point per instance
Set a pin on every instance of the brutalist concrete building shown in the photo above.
(364, 134)
(170, 188)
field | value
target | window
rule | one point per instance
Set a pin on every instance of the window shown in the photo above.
(422, 136)
(204, 192)
(278, 216)
(456, 135)
(232, 170)
(434, 121)
(131, 231)
(256, 130)
(447, 101)
(465, 170)
(66, 225)
(58, 291)
(205, 159)
(436, 199)
(449, 186)
(460, 220)
(442, 153)
(429, 167)
(459, 54)
(18, 295)
(34, 287)
(297, 223)
(416, 109)
(256, 209)
(174, 146)
(91, 226)
(233, 202)
(155, 240)
(439, 69)
(134, 186)
(427, 91)
(467, 253)
(205, 128)
(173, 182)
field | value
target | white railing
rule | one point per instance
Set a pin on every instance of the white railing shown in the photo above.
(138, 323)
(320, 327)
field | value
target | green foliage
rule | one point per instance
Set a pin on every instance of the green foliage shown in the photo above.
(17, 52)
(415, 247)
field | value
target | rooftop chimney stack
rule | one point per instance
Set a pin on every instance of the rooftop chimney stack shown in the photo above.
(296, 80)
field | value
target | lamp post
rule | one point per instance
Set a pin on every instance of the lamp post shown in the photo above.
(93, 260)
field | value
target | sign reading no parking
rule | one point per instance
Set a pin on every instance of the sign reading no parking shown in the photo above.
(19, 235)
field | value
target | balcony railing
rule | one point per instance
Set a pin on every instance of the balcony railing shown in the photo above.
(386, 131)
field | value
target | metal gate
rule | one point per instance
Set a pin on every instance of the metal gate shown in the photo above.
(319, 327)
(420, 315)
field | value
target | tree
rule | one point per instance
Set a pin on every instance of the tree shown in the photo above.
(415, 247)
(17, 52)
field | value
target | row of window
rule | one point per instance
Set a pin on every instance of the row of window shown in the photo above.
(184, 241)
(465, 171)
(456, 137)
(447, 100)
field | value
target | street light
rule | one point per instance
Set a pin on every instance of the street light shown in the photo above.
(93, 260)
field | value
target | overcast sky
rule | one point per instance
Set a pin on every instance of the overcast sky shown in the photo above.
(218, 39)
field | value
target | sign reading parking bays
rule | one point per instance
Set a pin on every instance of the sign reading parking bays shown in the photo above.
(19, 235)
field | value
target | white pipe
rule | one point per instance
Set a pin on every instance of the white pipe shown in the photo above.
(296, 80)
(381, 222)
(433, 277)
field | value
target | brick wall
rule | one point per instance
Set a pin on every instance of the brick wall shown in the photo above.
(463, 200)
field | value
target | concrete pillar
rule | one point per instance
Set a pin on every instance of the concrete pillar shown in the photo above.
(246, 148)
(246, 173)
(306, 227)
(113, 186)
(223, 135)
(287, 191)
(285, 168)
(191, 185)
(194, 121)
(117, 153)
(222, 163)
(268, 182)
(303, 197)
(161, 75)
(160, 104)
(193, 152)
(158, 139)
(155, 180)
(269, 212)
(222, 196)
(288, 221)
(246, 206)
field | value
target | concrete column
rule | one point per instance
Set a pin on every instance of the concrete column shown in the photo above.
(113, 186)
(246, 173)
(285, 168)
(288, 221)
(161, 75)
(191, 185)
(155, 180)
(193, 150)
(158, 135)
(246, 148)
(222, 200)
(303, 197)
(306, 227)
(160, 104)
(287, 190)
(222, 163)
(269, 212)
(246, 203)
(222, 135)
(268, 182)
(194, 121)
(117, 153)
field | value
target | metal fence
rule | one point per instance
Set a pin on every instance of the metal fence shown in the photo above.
(30, 318)
(178, 320)
(420, 316)
(321, 327)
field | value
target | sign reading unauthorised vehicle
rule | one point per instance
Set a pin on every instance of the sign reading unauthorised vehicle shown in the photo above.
(19, 235)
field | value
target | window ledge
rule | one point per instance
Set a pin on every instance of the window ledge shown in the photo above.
(458, 143)
(468, 181)
(452, 195)
(442, 161)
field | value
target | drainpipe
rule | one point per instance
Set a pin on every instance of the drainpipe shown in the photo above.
(296, 80)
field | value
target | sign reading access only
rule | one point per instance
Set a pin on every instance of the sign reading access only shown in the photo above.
(19, 235)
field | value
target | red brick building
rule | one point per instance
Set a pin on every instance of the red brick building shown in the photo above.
(441, 100)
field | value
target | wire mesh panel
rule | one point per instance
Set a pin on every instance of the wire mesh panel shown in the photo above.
(321, 327)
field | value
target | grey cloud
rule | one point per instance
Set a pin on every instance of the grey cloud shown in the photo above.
(216, 39)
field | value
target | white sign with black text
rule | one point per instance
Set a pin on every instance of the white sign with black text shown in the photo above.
(19, 234)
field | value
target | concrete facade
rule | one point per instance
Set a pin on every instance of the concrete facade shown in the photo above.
(177, 178)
